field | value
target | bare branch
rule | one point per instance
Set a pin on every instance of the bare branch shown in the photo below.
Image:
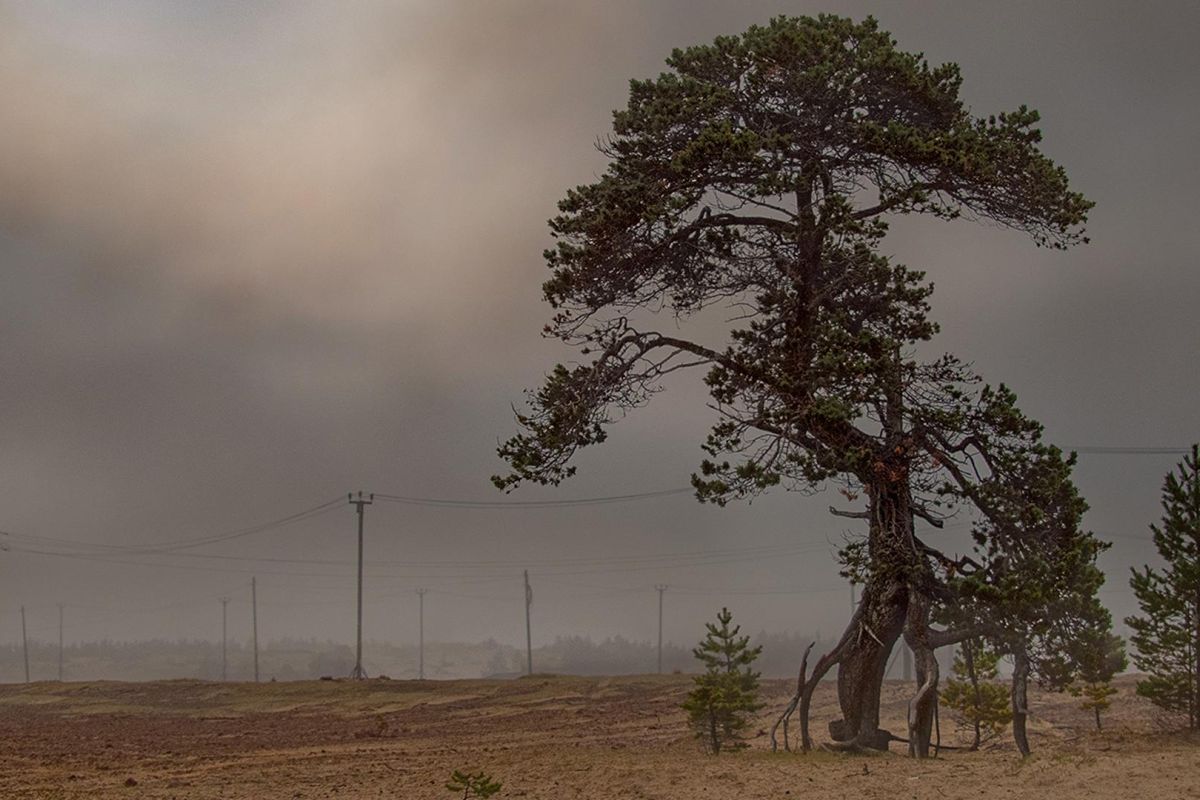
(837, 512)
(920, 511)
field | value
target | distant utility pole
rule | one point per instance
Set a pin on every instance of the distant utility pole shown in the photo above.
(254, 620)
(421, 635)
(60, 642)
(359, 673)
(660, 588)
(25, 644)
(224, 629)
(528, 629)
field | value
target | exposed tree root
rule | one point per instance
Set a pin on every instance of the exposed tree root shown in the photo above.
(787, 713)
(822, 666)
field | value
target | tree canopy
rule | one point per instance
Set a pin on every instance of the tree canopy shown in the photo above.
(759, 174)
(760, 170)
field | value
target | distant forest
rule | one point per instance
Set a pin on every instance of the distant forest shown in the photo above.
(299, 659)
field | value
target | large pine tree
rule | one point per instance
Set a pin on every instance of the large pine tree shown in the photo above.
(759, 174)
(1167, 634)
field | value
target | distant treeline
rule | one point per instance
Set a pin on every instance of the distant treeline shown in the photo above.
(298, 659)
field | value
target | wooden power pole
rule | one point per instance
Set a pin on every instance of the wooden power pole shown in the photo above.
(224, 638)
(660, 588)
(359, 673)
(528, 629)
(254, 620)
(25, 644)
(60, 642)
(421, 634)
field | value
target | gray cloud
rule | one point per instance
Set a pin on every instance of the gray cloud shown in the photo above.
(257, 255)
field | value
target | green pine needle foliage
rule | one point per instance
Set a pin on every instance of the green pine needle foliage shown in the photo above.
(978, 701)
(723, 698)
(1095, 697)
(1166, 636)
(1102, 657)
(472, 784)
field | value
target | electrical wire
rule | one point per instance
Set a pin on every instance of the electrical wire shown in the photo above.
(465, 564)
(515, 504)
(598, 567)
(1127, 451)
(182, 544)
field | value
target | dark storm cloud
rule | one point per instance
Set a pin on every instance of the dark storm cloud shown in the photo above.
(256, 255)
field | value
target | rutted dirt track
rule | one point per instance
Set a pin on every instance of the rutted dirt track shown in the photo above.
(543, 737)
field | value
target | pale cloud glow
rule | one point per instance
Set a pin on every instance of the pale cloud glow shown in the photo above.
(256, 255)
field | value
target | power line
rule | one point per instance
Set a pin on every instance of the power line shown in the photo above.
(499, 504)
(598, 566)
(323, 508)
(1127, 451)
(182, 544)
(724, 591)
(125, 611)
(330, 505)
(573, 561)
(200, 568)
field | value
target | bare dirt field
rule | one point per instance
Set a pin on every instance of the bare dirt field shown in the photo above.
(543, 737)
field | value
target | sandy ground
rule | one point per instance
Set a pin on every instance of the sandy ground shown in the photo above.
(543, 737)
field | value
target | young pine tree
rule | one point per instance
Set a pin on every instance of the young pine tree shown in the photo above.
(973, 694)
(727, 693)
(1167, 634)
(472, 785)
(1102, 657)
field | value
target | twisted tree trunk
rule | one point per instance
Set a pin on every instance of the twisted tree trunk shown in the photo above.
(863, 663)
(922, 708)
(867, 643)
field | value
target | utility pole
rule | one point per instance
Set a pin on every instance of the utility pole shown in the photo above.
(528, 629)
(224, 629)
(421, 635)
(254, 620)
(660, 588)
(25, 644)
(359, 673)
(60, 642)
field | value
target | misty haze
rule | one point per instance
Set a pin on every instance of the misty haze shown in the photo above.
(327, 466)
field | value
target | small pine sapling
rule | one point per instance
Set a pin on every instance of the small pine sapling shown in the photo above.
(727, 693)
(1103, 657)
(478, 784)
(973, 694)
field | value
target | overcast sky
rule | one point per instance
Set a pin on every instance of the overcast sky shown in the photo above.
(258, 255)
